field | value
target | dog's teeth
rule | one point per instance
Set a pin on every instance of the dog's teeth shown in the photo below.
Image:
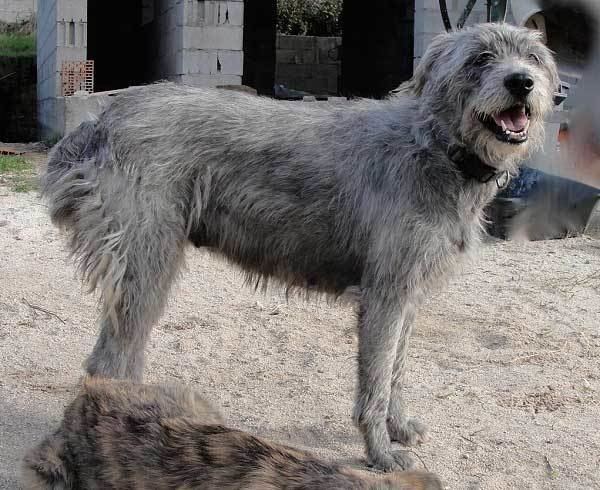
(503, 126)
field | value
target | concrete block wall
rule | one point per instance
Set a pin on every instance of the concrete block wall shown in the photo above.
(212, 43)
(168, 32)
(428, 20)
(308, 63)
(61, 36)
(47, 76)
(197, 42)
(17, 10)
(71, 18)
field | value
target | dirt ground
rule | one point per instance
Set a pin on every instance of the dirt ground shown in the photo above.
(504, 365)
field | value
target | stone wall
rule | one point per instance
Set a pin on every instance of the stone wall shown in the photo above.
(212, 45)
(428, 20)
(195, 42)
(61, 36)
(17, 10)
(308, 63)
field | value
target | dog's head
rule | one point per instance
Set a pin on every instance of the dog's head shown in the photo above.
(490, 87)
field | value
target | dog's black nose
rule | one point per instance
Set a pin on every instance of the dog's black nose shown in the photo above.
(519, 84)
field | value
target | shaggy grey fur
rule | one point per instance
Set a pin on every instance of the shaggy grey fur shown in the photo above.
(315, 196)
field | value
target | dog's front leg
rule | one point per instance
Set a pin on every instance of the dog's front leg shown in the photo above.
(380, 321)
(402, 428)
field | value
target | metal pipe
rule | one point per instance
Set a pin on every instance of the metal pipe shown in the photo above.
(445, 17)
(465, 15)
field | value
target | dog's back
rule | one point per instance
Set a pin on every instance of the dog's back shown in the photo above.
(119, 435)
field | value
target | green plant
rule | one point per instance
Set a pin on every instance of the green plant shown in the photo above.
(309, 17)
(24, 184)
(17, 45)
(13, 164)
(18, 173)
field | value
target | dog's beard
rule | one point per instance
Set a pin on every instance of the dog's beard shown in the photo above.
(485, 140)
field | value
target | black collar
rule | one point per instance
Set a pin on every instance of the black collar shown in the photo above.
(472, 167)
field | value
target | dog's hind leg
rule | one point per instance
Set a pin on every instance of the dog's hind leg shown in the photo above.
(403, 429)
(380, 323)
(134, 293)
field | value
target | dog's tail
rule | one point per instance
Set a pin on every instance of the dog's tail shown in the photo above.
(44, 467)
(70, 172)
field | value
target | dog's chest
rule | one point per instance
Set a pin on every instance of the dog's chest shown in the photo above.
(463, 235)
(466, 234)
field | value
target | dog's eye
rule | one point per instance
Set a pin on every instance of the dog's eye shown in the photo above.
(535, 58)
(483, 58)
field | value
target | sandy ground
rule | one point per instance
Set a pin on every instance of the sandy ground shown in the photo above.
(504, 365)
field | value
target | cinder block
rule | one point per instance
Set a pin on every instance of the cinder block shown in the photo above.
(309, 55)
(213, 13)
(213, 37)
(286, 72)
(192, 13)
(314, 78)
(71, 10)
(234, 13)
(210, 13)
(212, 62)
(79, 109)
(295, 42)
(230, 62)
(333, 84)
(329, 51)
(288, 56)
(196, 61)
(66, 53)
(320, 85)
(216, 13)
(210, 80)
(455, 8)
(326, 71)
(432, 22)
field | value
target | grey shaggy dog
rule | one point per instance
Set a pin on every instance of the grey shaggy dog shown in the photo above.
(318, 197)
(121, 435)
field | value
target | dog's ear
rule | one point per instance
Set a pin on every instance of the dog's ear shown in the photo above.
(432, 54)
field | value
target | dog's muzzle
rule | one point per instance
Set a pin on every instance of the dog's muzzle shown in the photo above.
(510, 125)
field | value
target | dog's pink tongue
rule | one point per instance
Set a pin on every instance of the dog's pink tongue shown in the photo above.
(514, 119)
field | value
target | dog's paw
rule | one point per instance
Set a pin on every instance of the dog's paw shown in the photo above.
(392, 461)
(408, 432)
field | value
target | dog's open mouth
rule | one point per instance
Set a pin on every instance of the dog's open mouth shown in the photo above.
(509, 126)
